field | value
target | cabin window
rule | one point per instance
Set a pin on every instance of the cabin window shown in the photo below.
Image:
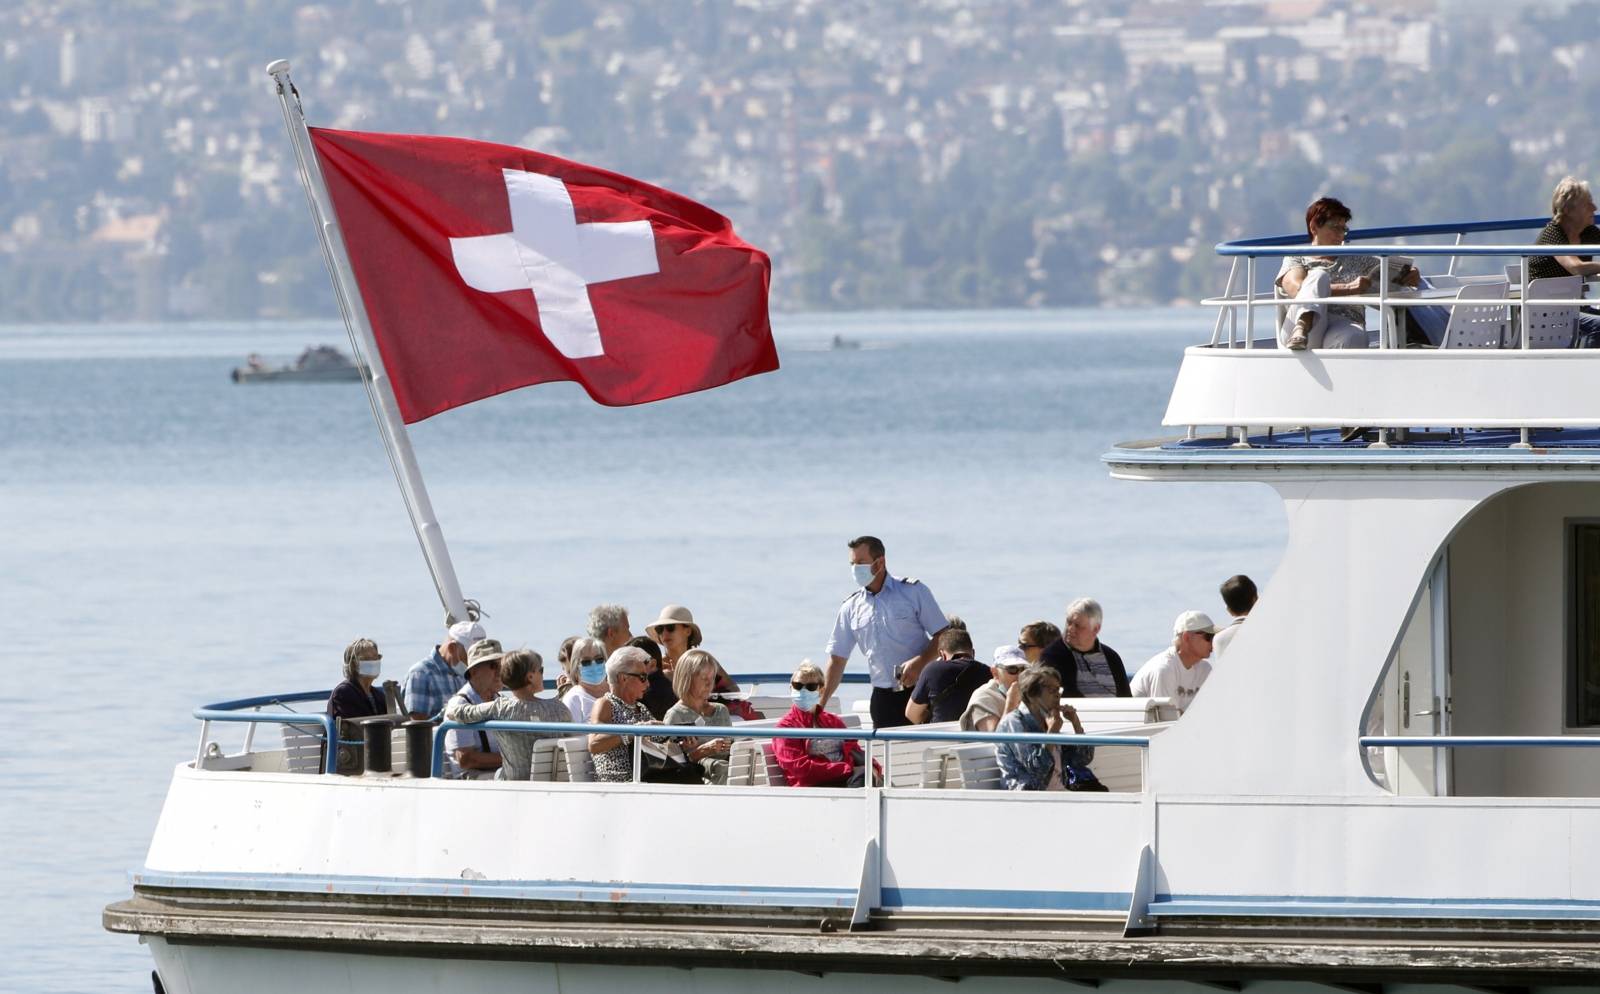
(1584, 683)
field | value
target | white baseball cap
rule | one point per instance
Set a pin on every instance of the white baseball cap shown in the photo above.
(1193, 621)
(466, 632)
(1009, 655)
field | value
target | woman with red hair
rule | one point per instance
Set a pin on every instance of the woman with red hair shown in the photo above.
(1313, 277)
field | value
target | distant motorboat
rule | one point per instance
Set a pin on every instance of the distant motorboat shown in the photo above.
(841, 343)
(317, 364)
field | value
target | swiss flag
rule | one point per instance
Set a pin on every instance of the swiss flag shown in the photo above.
(485, 268)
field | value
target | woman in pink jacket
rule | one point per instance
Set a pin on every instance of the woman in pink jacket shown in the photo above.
(816, 762)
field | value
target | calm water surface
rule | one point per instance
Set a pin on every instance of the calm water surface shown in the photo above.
(170, 538)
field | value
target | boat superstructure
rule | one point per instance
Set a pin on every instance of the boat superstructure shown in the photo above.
(1389, 780)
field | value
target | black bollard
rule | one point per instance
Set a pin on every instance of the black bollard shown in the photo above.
(419, 748)
(376, 733)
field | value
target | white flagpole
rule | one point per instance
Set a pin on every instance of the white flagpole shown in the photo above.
(380, 392)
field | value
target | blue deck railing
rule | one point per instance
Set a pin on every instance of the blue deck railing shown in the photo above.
(1248, 250)
(901, 734)
(247, 710)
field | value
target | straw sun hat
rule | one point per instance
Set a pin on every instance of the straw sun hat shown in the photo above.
(674, 614)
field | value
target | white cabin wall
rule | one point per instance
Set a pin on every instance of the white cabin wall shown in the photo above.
(1294, 694)
(1509, 628)
(1536, 673)
(1478, 617)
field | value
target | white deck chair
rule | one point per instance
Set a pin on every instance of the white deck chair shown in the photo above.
(979, 769)
(771, 707)
(1474, 322)
(1550, 326)
(542, 764)
(908, 760)
(302, 749)
(940, 770)
(775, 777)
(579, 763)
(745, 767)
(1513, 273)
(1119, 768)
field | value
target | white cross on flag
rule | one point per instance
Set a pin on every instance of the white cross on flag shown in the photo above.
(484, 268)
(548, 252)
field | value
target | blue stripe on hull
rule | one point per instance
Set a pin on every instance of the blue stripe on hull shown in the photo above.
(917, 898)
(523, 890)
(1216, 905)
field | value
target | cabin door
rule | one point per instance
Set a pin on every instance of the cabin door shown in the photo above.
(1417, 692)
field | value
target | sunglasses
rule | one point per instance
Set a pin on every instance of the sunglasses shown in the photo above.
(641, 677)
(1025, 646)
(1013, 670)
(808, 685)
(666, 629)
(1208, 636)
(591, 662)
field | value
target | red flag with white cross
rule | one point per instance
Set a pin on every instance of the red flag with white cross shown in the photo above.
(484, 268)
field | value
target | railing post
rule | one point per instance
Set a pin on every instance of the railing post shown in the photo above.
(1451, 269)
(200, 753)
(330, 733)
(1522, 306)
(1249, 301)
(1227, 313)
(1386, 322)
(638, 755)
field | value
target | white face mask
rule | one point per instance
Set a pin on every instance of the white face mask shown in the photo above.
(369, 667)
(460, 669)
(862, 573)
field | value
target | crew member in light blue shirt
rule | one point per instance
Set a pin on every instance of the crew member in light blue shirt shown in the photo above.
(896, 624)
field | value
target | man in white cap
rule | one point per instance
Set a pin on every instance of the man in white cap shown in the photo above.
(430, 683)
(1000, 696)
(1179, 671)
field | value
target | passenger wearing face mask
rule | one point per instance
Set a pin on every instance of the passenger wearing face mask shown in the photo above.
(431, 682)
(817, 762)
(588, 660)
(356, 697)
(894, 621)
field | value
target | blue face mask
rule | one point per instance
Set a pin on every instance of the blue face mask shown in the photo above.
(592, 672)
(862, 573)
(806, 699)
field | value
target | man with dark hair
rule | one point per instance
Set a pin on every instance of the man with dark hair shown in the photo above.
(894, 620)
(947, 684)
(1239, 596)
(1035, 638)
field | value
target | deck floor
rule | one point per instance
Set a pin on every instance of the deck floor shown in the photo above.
(1415, 440)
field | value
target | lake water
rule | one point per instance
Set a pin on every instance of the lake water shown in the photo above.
(170, 538)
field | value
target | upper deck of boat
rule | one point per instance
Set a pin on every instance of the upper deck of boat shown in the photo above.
(1506, 377)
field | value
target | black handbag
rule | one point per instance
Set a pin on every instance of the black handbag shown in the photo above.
(665, 769)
